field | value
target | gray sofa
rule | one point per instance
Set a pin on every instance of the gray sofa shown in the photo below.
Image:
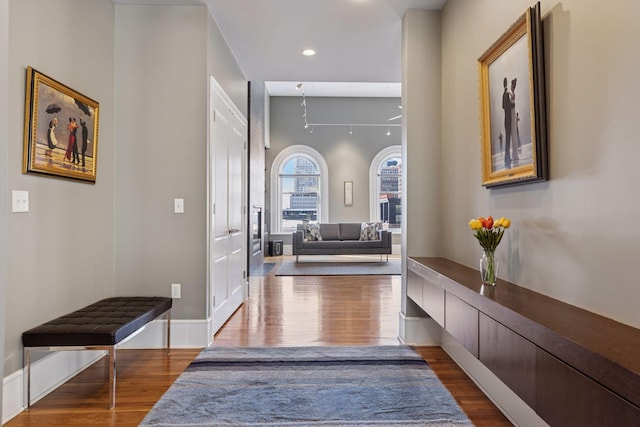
(339, 239)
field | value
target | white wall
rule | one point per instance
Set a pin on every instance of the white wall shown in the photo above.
(574, 237)
(61, 255)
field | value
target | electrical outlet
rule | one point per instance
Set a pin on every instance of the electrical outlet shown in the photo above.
(19, 201)
(175, 290)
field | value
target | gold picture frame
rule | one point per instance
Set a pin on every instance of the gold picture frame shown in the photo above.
(513, 105)
(60, 130)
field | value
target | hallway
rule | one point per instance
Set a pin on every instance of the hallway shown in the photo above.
(280, 311)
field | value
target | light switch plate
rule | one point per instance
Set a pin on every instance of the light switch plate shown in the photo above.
(178, 205)
(20, 201)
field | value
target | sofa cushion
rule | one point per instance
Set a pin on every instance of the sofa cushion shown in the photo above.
(322, 244)
(330, 231)
(350, 231)
(369, 231)
(361, 244)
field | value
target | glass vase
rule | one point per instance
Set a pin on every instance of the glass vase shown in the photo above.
(489, 268)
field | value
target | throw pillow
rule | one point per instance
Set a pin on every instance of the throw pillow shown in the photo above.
(312, 232)
(369, 231)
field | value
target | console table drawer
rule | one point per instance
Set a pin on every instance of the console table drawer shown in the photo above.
(433, 301)
(414, 287)
(428, 296)
(509, 356)
(461, 321)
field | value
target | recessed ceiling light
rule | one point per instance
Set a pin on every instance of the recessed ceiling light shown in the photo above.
(308, 52)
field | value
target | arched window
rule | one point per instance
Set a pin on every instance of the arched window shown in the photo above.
(299, 183)
(385, 184)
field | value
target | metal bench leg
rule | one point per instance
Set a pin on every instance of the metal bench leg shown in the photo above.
(169, 331)
(112, 376)
(27, 364)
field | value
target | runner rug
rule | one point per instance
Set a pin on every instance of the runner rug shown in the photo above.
(307, 386)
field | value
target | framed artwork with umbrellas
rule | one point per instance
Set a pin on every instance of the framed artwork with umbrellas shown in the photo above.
(60, 130)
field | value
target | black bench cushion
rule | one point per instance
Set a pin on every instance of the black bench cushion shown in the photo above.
(107, 322)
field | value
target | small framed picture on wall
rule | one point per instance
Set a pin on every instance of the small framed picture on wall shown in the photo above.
(348, 193)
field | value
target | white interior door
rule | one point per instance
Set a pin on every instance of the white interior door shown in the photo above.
(227, 242)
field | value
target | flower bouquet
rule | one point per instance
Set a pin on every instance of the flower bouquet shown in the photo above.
(489, 234)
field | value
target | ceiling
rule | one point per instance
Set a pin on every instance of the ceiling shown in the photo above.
(357, 41)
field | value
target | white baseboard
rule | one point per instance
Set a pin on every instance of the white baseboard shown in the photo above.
(514, 408)
(58, 367)
(419, 331)
(184, 334)
(47, 374)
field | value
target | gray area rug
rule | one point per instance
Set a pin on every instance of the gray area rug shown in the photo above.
(327, 268)
(263, 269)
(307, 386)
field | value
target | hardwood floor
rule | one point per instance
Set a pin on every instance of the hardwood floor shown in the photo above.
(280, 311)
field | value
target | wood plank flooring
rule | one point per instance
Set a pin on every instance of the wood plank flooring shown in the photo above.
(280, 311)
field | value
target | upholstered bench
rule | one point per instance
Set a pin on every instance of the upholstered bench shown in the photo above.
(99, 326)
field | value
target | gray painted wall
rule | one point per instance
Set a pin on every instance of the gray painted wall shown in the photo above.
(81, 242)
(162, 132)
(4, 190)
(163, 58)
(61, 255)
(257, 119)
(223, 66)
(574, 237)
(421, 101)
(348, 157)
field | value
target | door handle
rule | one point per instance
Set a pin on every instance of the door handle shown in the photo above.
(233, 230)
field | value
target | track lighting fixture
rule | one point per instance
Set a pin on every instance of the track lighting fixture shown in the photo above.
(308, 124)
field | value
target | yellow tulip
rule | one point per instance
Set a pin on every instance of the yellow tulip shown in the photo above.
(499, 222)
(475, 224)
(507, 223)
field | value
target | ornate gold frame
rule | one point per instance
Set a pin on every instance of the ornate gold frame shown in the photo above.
(501, 59)
(48, 100)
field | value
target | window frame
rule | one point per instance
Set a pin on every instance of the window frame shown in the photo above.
(276, 191)
(374, 183)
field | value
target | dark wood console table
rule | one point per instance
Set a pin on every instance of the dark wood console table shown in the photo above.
(573, 367)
